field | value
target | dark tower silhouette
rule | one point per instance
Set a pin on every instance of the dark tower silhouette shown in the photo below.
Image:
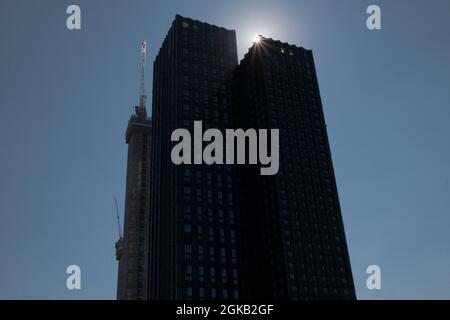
(193, 228)
(293, 242)
(225, 231)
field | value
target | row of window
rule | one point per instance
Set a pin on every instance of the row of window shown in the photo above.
(213, 293)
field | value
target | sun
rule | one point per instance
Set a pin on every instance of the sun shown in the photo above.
(257, 38)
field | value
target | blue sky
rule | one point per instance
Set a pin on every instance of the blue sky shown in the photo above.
(66, 96)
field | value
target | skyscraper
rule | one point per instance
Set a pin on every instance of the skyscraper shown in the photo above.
(293, 241)
(197, 231)
(133, 250)
(193, 231)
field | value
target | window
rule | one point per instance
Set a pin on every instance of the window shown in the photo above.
(187, 193)
(188, 276)
(211, 234)
(201, 274)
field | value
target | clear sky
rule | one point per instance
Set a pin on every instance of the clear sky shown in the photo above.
(66, 96)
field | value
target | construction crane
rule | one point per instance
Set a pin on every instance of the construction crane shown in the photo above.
(141, 110)
(119, 242)
(118, 218)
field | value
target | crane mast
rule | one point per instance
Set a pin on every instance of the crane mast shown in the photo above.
(141, 110)
(119, 243)
(118, 218)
